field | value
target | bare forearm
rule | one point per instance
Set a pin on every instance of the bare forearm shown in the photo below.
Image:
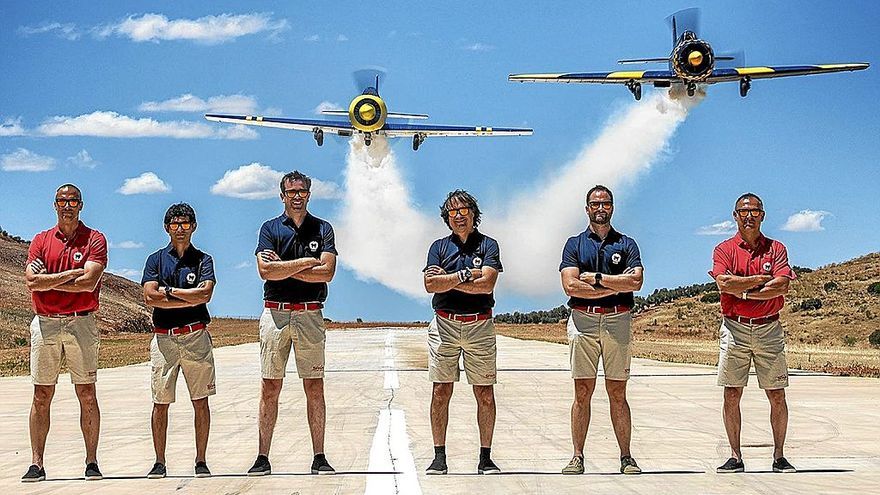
(194, 296)
(320, 273)
(48, 281)
(735, 285)
(775, 288)
(480, 286)
(279, 270)
(81, 284)
(622, 283)
(578, 288)
(442, 283)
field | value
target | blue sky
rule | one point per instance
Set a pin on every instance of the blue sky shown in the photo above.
(803, 144)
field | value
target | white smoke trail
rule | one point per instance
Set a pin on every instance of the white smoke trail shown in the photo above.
(630, 143)
(382, 237)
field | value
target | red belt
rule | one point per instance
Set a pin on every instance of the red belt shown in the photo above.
(180, 330)
(602, 310)
(68, 315)
(464, 318)
(306, 306)
(753, 321)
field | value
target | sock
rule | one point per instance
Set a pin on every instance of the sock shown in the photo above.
(320, 457)
(439, 451)
(484, 452)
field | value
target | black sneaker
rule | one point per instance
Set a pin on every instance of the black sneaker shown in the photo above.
(733, 465)
(93, 473)
(202, 470)
(321, 466)
(486, 466)
(782, 465)
(261, 467)
(438, 466)
(157, 472)
(34, 473)
(628, 466)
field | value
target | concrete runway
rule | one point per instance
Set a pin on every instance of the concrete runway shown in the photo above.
(379, 437)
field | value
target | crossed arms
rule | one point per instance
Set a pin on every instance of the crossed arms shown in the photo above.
(83, 279)
(157, 297)
(308, 269)
(482, 280)
(757, 287)
(580, 285)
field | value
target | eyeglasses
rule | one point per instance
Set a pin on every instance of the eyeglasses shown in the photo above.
(175, 226)
(743, 213)
(67, 202)
(595, 205)
(292, 193)
(458, 211)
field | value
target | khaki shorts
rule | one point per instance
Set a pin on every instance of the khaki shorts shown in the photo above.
(191, 352)
(72, 339)
(740, 344)
(302, 330)
(591, 336)
(449, 339)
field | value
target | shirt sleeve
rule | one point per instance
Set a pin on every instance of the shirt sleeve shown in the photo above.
(329, 238)
(265, 240)
(206, 270)
(35, 250)
(569, 254)
(98, 249)
(492, 255)
(633, 256)
(433, 255)
(720, 262)
(151, 270)
(781, 268)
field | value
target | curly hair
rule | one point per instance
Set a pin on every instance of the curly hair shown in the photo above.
(296, 175)
(463, 197)
(180, 210)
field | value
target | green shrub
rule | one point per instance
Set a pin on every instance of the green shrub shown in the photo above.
(849, 340)
(711, 297)
(874, 338)
(810, 304)
(21, 341)
(830, 286)
(874, 288)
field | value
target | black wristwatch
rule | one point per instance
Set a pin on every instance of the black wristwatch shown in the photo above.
(167, 292)
(598, 280)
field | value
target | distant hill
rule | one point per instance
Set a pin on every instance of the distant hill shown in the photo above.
(122, 307)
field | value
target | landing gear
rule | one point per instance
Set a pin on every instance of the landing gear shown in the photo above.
(635, 88)
(691, 89)
(368, 139)
(418, 139)
(318, 135)
(744, 85)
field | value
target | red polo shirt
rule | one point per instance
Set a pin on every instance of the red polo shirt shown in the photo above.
(735, 257)
(59, 254)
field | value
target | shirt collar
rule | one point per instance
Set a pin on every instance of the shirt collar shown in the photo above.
(612, 235)
(761, 241)
(80, 228)
(471, 238)
(286, 220)
(169, 250)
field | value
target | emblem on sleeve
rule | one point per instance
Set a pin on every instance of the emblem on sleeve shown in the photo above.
(767, 266)
(615, 258)
(313, 246)
(478, 262)
(190, 278)
(77, 257)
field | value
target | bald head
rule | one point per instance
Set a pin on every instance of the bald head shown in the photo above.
(69, 189)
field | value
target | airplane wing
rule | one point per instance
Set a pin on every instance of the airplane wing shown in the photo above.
(769, 72)
(404, 130)
(615, 77)
(309, 125)
(390, 115)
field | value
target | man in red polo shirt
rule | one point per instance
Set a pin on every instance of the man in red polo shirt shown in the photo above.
(753, 275)
(63, 273)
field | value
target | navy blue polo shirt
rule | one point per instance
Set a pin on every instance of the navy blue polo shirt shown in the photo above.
(169, 270)
(289, 242)
(452, 255)
(589, 253)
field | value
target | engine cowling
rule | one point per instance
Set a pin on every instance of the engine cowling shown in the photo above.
(693, 60)
(367, 112)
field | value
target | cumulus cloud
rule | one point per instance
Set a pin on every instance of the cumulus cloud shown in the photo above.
(126, 245)
(112, 124)
(806, 221)
(22, 160)
(727, 227)
(243, 265)
(212, 29)
(312, 39)
(327, 105)
(12, 127)
(146, 183)
(191, 103)
(83, 160)
(258, 181)
(67, 31)
(342, 38)
(479, 47)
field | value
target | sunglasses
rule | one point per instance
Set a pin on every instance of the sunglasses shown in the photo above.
(458, 211)
(595, 205)
(67, 202)
(743, 213)
(292, 193)
(175, 226)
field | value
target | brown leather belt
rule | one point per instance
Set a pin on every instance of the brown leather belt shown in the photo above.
(68, 315)
(180, 330)
(602, 310)
(745, 320)
(466, 318)
(305, 306)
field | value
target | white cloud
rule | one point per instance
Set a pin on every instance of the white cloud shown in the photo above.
(22, 160)
(112, 124)
(129, 273)
(83, 160)
(146, 183)
(67, 31)
(126, 245)
(208, 30)
(479, 47)
(806, 221)
(312, 39)
(326, 105)
(11, 127)
(215, 104)
(342, 38)
(727, 227)
(243, 265)
(258, 181)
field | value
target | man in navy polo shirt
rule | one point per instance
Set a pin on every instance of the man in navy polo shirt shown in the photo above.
(600, 269)
(178, 284)
(461, 273)
(296, 256)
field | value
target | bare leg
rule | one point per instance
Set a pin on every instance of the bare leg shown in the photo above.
(316, 410)
(440, 411)
(269, 393)
(159, 423)
(580, 413)
(39, 421)
(621, 419)
(202, 424)
(733, 419)
(89, 419)
(485, 395)
(778, 419)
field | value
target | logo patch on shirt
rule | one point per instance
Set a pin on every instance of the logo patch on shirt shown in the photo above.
(615, 258)
(313, 246)
(478, 262)
(767, 266)
(77, 257)
(190, 278)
